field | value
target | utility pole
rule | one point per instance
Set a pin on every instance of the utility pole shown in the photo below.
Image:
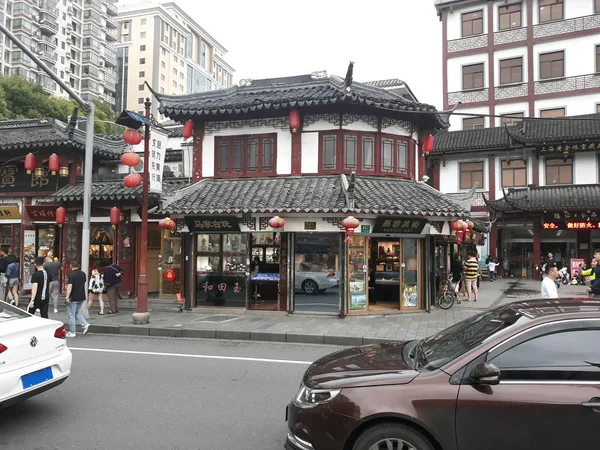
(89, 145)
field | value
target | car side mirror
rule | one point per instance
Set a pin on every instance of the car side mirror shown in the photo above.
(485, 373)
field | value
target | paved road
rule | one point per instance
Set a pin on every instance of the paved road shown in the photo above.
(116, 400)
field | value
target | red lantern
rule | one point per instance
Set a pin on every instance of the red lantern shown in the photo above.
(276, 222)
(54, 163)
(29, 162)
(470, 225)
(188, 129)
(350, 223)
(457, 225)
(132, 180)
(132, 137)
(115, 216)
(166, 223)
(459, 236)
(130, 159)
(294, 120)
(61, 216)
(428, 144)
(169, 275)
(467, 236)
(173, 225)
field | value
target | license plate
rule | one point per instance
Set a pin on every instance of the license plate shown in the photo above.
(37, 377)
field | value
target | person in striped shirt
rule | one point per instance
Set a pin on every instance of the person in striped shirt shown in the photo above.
(471, 268)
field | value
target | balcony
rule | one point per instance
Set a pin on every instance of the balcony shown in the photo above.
(566, 26)
(468, 43)
(111, 35)
(47, 84)
(111, 8)
(111, 22)
(510, 91)
(93, 4)
(47, 56)
(49, 7)
(510, 36)
(48, 24)
(470, 96)
(569, 84)
(48, 41)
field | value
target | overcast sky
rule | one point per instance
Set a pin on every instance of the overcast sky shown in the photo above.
(385, 39)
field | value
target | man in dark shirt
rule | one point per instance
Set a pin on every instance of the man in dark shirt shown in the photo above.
(76, 295)
(52, 268)
(112, 281)
(39, 289)
(595, 287)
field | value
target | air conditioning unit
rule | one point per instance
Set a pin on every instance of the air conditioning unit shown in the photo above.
(68, 32)
(101, 63)
(36, 33)
(68, 56)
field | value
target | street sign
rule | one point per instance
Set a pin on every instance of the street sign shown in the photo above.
(364, 229)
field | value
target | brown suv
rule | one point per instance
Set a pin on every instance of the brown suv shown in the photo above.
(523, 376)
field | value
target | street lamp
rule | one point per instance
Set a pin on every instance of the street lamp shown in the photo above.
(135, 121)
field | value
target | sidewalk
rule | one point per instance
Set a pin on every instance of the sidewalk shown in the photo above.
(353, 330)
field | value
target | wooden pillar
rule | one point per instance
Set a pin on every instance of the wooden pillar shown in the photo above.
(584, 239)
(283, 272)
(493, 243)
(436, 174)
(198, 141)
(535, 170)
(537, 242)
(297, 153)
(492, 177)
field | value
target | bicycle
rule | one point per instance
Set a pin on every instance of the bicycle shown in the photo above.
(449, 294)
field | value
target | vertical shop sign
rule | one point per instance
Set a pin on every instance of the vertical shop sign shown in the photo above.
(28, 257)
(158, 148)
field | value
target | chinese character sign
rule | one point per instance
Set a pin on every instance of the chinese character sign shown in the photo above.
(156, 162)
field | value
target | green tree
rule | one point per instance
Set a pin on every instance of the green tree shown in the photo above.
(20, 99)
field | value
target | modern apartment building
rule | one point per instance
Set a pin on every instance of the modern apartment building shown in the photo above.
(162, 45)
(519, 58)
(76, 38)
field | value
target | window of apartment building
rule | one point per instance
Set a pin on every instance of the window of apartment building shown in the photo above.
(143, 35)
(246, 156)
(164, 52)
(551, 10)
(559, 171)
(514, 173)
(174, 71)
(175, 84)
(142, 74)
(471, 173)
(472, 23)
(598, 108)
(511, 118)
(141, 100)
(552, 113)
(552, 65)
(511, 70)
(162, 77)
(143, 21)
(597, 58)
(354, 151)
(509, 16)
(142, 60)
(163, 64)
(140, 87)
(473, 76)
(473, 123)
(203, 55)
(597, 6)
(142, 48)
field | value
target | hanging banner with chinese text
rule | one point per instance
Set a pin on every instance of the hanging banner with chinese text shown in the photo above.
(9, 212)
(158, 148)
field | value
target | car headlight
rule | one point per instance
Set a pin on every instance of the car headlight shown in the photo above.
(309, 398)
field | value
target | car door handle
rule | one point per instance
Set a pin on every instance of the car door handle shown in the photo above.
(593, 403)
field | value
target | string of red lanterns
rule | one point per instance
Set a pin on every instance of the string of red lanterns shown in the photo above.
(53, 166)
(462, 229)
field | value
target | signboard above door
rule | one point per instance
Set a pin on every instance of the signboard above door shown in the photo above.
(399, 225)
(212, 224)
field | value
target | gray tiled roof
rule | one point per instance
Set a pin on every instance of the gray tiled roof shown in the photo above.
(465, 140)
(393, 82)
(558, 130)
(50, 133)
(548, 198)
(289, 92)
(113, 190)
(313, 194)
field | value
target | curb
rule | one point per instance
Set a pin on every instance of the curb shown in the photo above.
(235, 335)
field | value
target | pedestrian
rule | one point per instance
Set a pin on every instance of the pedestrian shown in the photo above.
(594, 288)
(112, 280)
(12, 282)
(492, 269)
(76, 295)
(96, 288)
(40, 289)
(550, 261)
(6, 258)
(53, 269)
(548, 283)
(471, 269)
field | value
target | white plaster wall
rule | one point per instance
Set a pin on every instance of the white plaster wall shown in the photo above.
(574, 106)
(580, 55)
(455, 19)
(508, 54)
(394, 129)
(310, 153)
(456, 120)
(325, 125)
(208, 156)
(585, 168)
(455, 66)
(510, 108)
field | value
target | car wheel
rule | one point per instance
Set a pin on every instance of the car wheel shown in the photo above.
(392, 436)
(310, 287)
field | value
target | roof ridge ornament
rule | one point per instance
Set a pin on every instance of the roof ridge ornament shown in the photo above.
(245, 82)
(348, 79)
(319, 75)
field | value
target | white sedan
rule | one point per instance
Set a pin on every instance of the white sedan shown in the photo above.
(33, 355)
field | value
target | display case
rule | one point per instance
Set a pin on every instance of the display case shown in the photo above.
(358, 274)
(46, 240)
(208, 254)
(264, 246)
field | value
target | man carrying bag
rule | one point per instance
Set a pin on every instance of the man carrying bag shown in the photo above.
(112, 281)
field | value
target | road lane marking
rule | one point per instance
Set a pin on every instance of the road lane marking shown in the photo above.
(184, 355)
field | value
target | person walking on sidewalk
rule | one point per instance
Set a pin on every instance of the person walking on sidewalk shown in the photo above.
(39, 289)
(53, 269)
(96, 288)
(594, 289)
(112, 281)
(471, 268)
(492, 269)
(548, 283)
(76, 295)
(12, 281)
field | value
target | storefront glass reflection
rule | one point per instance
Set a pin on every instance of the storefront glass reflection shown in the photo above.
(317, 272)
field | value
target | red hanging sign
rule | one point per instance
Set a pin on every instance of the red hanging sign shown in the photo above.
(170, 275)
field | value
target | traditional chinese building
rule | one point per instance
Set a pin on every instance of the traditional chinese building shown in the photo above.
(538, 182)
(278, 164)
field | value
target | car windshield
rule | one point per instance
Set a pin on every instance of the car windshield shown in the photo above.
(8, 312)
(438, 350)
